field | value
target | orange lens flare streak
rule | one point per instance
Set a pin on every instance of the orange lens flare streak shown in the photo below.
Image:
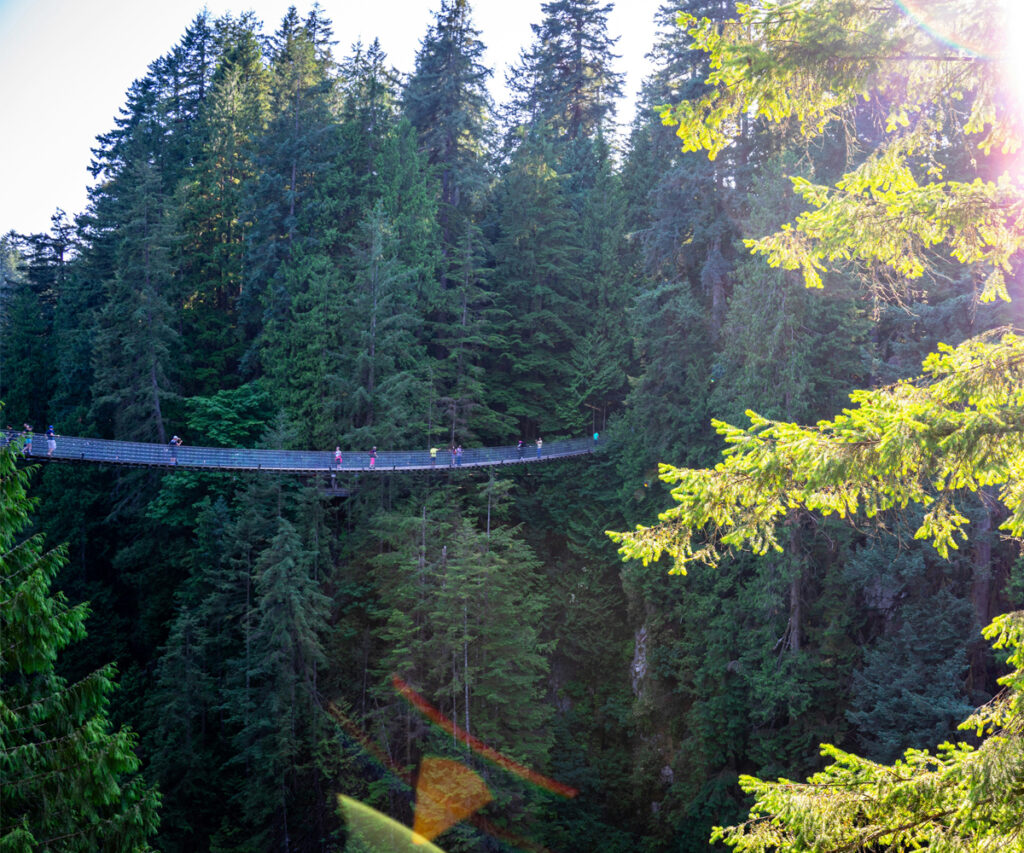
(480, 822)
(477, 745)
(447, 792)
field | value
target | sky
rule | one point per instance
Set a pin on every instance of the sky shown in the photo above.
(65, 66)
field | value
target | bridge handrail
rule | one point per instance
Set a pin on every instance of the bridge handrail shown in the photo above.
(313, 461)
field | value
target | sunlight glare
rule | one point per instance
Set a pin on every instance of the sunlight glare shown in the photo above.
(1012, 51)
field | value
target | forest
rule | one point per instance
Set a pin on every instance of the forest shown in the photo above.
(292, 246)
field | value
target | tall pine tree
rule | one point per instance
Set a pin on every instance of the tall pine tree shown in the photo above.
(70, 781)
(446, 100)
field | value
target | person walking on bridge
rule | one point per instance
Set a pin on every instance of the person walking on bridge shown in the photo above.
(540, 444)
(373, 458)
(51, 440)
(337, 456)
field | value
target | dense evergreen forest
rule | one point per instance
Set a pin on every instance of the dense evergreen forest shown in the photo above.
(289, 246)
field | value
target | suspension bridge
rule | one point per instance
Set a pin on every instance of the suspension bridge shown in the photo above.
(140, 454)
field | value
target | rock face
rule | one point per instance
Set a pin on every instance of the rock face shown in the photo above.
(638, 670)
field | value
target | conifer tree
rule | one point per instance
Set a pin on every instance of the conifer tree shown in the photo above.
(446, 100)
(780, 79)
(70, 781)
(137, 341)
(291, 204)
(10, 275)
(908, 689)
(72, 342)
(463, 609)
(309, 368)
(369, 93)
(24, 340)
(188, 741)
(386, 397)
(279, 709)
(370, 266)
(184, 75)
(921, 442)
(565, 83)
(211, 251)
(686, 212)
(36, 272)
(974, 374)
(158, 122)
(378, 159)
(538, 255)
(556, 281)
(682, 219)
(236, 704)
(127, 243)
(602, 352)
(960, 797)
(463, 337)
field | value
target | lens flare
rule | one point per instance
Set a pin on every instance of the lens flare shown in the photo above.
(369, 831)
(364, 814)
(1012, 57)
(995, 37)
(945, 26)
(478, 746)
(447, 792)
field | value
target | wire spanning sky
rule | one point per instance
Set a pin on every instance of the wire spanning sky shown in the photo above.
(65, 66)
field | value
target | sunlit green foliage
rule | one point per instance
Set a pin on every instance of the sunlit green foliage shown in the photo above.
(913, 449)
(914, 442)
(899, 202)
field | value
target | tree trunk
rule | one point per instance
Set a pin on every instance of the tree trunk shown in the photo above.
(981, 581)
(465, 663)
(795, 589)
(157, 413)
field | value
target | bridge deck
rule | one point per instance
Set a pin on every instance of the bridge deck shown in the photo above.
(139, 454)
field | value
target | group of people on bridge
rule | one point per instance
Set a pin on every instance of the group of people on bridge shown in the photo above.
(10, 435)
(176, 453)
(454, 453)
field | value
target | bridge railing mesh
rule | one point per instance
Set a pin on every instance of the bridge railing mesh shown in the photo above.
(223, 458)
